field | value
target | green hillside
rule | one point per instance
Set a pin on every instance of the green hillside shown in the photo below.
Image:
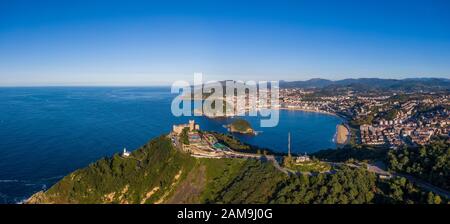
(158, 173)
(125, 180)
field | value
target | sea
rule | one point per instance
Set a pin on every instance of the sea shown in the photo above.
(48, 132)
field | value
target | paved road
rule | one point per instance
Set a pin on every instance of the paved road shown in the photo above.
(276, 164)
(370, 167)
(424, 185)
(377, 170)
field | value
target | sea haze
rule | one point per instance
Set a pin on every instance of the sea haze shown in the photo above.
(46, 133)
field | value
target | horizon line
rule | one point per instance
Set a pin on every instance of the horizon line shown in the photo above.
(159, 84)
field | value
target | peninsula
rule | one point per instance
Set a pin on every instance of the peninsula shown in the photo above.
(190, 165)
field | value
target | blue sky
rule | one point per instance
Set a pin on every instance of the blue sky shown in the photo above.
(152, 43)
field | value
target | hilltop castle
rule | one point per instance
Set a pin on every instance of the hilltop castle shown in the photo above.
(177, 129)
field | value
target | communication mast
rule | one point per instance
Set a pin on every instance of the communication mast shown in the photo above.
(289, 144)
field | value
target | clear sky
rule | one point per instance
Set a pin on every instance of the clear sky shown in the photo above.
(151, 43)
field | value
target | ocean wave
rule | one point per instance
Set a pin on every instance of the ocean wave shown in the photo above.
(9, 181)
(32, 182)
(53, 178)
(258, 132)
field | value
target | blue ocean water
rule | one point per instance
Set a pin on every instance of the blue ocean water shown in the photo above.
(46, 133)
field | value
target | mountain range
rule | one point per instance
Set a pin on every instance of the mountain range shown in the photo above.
(373, 83)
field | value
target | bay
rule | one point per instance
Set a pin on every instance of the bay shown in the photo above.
(48, 132)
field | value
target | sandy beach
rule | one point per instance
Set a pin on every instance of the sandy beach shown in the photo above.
(342, 134)
(307, 110)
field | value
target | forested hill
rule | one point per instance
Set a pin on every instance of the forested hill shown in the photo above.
(373, 83)
(158, 173)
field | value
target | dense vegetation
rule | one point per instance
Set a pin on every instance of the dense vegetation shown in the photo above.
(184, 138)
(158, 173)
(256, 182)
(401, 191)
(372, 84)
(362, 120)
(241, 126)
(231, 141)
(234, 143)
(390, 114)
(366, 153)
(124, 180)
(430, 163)
(348, 185)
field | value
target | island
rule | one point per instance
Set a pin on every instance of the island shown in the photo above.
(241, 126)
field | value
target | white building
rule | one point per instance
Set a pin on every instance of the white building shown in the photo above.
(302, 159)
(125, 153)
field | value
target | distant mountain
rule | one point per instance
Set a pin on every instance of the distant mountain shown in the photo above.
(373, 83)
(312, 83)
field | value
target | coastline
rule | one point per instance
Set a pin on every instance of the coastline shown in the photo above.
(339, 137)
(280, 108)
(309, 110)
(37, 197)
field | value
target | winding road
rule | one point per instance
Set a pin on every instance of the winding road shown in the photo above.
(422, 184)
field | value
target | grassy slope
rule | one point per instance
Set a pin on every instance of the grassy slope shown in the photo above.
(119, 180)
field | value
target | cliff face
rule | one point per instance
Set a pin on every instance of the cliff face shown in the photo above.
(38, 198)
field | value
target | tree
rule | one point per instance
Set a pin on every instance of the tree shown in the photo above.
(430, 162)
(430, 198)
(184, 138)
(437, 199)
